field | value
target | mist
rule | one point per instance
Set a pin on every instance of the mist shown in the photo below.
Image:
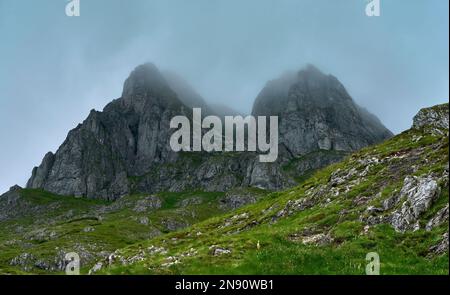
(54, 69)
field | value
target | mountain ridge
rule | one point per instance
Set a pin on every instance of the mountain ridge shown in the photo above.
(117, 151)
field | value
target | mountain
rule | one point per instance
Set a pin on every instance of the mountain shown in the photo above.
(128, 138)
(125, 148)
(390, 198)
(317, 113)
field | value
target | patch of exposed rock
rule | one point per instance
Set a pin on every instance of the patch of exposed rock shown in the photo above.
(441, 247)
(149, 203)
(219, 251)
(236, 199)
(293, 206)
(419, 192)
(440, 217)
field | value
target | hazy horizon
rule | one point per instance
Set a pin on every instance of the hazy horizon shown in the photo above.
(54, 68)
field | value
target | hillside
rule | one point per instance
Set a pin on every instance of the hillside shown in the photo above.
(391, 198)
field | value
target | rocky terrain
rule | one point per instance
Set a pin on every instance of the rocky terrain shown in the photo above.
(390, 198)
(124, 149)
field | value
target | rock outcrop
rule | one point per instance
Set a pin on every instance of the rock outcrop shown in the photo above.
(434, 119)
(419, 193)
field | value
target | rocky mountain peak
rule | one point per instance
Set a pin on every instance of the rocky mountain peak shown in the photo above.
(317, 113)
(308, 87)
(146, 85)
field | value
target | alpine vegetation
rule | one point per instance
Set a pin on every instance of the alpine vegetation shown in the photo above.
(212, 140)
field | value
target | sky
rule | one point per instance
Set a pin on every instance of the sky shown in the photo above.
(54, 68)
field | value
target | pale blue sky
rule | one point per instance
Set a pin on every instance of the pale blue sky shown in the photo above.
(54, 69)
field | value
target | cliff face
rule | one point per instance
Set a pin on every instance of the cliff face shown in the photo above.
(317, 113)
(125, 148)
(128, 138)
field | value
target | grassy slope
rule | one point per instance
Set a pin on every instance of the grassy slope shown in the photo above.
(281, 250)
(60, 222)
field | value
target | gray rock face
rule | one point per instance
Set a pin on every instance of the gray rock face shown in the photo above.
(126, 147)
(130, 137)
(420, 192)
(264, 175)
(316, 113)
